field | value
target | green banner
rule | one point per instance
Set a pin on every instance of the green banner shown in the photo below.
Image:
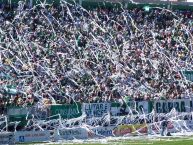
(18, 114)
(67, 111)
(188, 75)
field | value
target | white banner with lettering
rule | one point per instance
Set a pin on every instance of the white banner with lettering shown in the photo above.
(103, 131)
(96, 109)
(32, 136)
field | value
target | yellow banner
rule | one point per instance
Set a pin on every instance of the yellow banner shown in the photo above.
(130, 129)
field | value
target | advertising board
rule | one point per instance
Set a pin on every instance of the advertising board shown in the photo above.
(73, 133)
(6, 138)
(103, 131)
(31, 136)
(130, 129)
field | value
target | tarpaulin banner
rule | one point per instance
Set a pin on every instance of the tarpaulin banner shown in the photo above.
(66, 111)
(165, 106)
(96, 109)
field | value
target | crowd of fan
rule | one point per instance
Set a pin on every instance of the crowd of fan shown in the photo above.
(65, 53)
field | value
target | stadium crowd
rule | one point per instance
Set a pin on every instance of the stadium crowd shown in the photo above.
(61, 54)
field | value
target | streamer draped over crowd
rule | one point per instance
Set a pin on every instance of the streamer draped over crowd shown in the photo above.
(61, 54)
